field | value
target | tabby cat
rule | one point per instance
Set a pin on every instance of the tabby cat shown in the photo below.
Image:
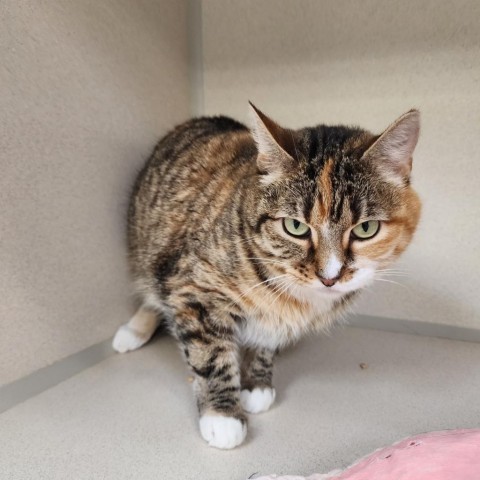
(242, 241)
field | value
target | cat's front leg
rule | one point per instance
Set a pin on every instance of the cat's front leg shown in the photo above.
(257, 393)
(211, 351)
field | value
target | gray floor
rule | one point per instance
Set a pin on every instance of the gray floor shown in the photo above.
(133, 417)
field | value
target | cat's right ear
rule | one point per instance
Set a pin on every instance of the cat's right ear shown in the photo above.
(275, 146)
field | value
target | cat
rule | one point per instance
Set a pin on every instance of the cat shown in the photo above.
(242, 241)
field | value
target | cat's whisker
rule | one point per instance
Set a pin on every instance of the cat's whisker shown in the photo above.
(263, 259)
(392, 270)
(267, 261)
(249, 290)
(284, 287)
(267, 280)
(248, 240)
(271, 294)
(391, 281)
(392, 274)
(396, 268)
(387, 271)
(245, 240)
(401, 275)
(277, 287)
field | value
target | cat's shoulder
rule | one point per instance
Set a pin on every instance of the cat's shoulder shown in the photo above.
(213, 124)
(198, 128)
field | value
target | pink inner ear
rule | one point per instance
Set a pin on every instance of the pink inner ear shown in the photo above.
(393, 150)
(269, 135)
(399, 143)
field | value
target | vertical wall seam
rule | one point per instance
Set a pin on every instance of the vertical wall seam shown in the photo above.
(195, 57)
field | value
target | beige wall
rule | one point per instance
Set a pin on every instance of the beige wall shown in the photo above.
(311, 61)
(86, 88)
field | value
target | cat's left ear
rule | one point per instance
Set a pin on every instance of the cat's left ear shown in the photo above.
(275, 146)
(393, 150)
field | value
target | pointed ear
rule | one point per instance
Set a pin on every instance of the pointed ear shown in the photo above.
(393, 150)
(275, 145)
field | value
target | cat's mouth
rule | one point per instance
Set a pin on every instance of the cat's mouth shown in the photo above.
(334, 290)
(353, 279)
(316, 286)
(316, 289)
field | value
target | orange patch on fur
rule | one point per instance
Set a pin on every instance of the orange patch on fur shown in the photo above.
(325, 186)
(401, 228)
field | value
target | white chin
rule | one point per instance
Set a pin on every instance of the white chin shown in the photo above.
(319, 291)
(330, 292)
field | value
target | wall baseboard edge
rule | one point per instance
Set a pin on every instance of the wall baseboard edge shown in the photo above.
(416, 327)
(37, 382)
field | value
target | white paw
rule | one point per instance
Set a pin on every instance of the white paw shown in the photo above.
(257, 400)
(127, 339)
(222, 432)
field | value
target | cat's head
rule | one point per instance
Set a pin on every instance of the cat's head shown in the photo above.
(335, 204)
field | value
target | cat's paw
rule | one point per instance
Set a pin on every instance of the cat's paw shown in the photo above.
(223, 432)
(127, 339)
(257, 400)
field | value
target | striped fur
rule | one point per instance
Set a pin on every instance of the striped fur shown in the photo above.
(209, 255)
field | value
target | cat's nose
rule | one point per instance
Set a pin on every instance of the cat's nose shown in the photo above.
(330, 269)
(329, 282)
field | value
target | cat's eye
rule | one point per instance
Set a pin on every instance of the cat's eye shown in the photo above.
(295, 227)
(366, 230)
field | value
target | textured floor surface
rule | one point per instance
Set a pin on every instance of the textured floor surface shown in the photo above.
(132, 416)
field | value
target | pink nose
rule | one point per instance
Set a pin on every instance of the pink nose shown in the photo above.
(329, 282)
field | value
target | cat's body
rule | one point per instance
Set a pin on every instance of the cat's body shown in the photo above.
(218, 247)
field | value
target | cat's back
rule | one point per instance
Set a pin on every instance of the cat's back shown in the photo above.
(189, 154)
(192, 137)
(190, 146)
(188, 169)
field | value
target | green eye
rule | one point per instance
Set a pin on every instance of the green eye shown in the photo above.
(295, 227)
(366, 230)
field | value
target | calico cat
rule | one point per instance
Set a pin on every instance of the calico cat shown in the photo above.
(243, 241)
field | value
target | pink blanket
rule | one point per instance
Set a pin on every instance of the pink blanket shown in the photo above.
(448, 455)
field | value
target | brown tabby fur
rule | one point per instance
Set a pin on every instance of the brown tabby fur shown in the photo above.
(205, 240)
